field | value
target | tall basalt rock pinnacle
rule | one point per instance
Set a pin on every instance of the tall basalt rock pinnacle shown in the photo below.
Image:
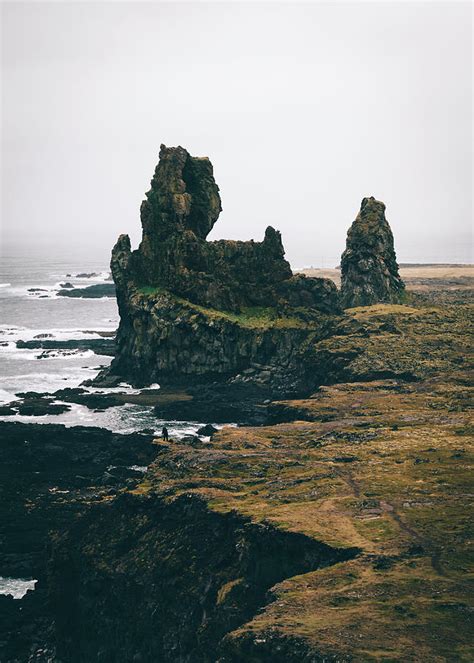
(177, 215)
(369, 269)
(185, 302)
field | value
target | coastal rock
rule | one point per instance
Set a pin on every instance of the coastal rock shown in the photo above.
(207, 431)
(369, 269)
(49, 475)
(193, 308)
(100, 346)
(178, 213)
(91, 292)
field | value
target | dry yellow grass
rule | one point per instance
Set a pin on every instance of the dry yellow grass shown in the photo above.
(412, 275)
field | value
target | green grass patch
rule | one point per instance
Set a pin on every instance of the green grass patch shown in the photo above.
(151, 290)
(255, 317)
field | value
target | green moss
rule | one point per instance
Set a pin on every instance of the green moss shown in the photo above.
(254, 317)
(151, 290)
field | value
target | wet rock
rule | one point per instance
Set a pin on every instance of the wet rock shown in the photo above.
(369, 269)
(101, 346)
(49, 475)
(91, 292)
(93, 401)
(40, 407)
(6, 410)
(66, 285)
(207, 431)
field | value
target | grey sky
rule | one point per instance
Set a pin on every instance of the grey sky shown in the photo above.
(303, 108)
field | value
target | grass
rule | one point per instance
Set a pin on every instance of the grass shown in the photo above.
(402, 499)
(151, 290)
(252, 317)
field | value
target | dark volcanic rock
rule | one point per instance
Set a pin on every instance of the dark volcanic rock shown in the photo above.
(208, 430)
(49, 474)
(369, 270)
(67, 285)
(101, 346)
(33, 407)
(190, 308)
(191, 576)
(91, 292)
(180, 210)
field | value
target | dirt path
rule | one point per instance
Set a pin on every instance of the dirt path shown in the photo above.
(391, 511)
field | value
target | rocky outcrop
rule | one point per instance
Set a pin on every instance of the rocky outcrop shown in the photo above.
(91, 292)
(48, 475)
(178, 213)
(279, 542)
(369, 269)
(192, 575)
(190, 308)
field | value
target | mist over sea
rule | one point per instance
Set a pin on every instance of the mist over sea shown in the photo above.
(29, 308)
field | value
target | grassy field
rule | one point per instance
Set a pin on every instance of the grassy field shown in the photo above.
(383, 465)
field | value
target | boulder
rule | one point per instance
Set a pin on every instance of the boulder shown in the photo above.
(207, 431)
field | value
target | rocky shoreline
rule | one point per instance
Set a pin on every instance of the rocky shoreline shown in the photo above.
(301, 506)
(329, 524)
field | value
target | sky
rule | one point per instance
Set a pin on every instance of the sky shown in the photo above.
(303, 109)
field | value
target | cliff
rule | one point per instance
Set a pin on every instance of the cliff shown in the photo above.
(369, 269)
(338, 531)
(194, 309)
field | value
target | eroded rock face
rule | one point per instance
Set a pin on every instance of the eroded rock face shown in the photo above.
(179, 212)
(184, 302)
(369, 269)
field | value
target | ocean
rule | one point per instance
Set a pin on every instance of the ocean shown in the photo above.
(30, 307)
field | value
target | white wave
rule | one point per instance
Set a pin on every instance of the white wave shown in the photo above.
(42, 382)
(13, 352)
(6, 396)
(16, 587)
(62, 353)
(5, 285)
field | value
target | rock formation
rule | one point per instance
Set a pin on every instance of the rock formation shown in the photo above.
(189, 307)
(369, 269)
(179, 212)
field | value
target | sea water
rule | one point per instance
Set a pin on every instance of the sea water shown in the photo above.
(30, 307)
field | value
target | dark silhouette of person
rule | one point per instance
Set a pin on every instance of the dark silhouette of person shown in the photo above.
(164, 434)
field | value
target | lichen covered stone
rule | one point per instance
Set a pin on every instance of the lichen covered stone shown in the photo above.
(369, 269)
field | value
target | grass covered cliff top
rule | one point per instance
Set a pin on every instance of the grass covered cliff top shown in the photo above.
(383, 465)
(250, 317)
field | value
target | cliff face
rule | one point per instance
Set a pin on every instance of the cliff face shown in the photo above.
(369, 269)
(339, 534)
(193, 308)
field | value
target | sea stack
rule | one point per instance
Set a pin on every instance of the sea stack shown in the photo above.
(369, 269)
(192, 307)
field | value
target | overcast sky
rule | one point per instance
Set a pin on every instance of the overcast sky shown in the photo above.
(303, 108)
